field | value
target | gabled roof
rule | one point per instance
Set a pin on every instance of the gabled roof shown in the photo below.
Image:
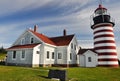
(57, 41)
(43, 37)
(82, 51)
(62, 40)
(23, 46)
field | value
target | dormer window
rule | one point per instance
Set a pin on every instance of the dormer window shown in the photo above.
(32, 40)
(22, 41)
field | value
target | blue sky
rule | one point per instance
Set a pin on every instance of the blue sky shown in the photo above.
(52, 16)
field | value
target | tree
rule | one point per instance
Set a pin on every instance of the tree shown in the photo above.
(2, 50)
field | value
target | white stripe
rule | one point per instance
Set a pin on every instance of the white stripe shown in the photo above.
(103, 33)
(104, 44)
(102, 28)
(106, 50)
(108, 62)
(104, 38)
(107, 57)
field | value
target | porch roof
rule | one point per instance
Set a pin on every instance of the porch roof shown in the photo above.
(23, 46)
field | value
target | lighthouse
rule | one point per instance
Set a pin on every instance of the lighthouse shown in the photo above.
(104, 42)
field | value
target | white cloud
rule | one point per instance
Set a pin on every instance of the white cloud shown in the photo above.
(12, 6)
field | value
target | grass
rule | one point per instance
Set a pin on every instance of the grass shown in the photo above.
(94, 74)
(12, 73)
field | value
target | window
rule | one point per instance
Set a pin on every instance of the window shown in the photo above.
(47, 54)
(32, 40)
(76, 57)
(59, 56)
(23, 54)
(71, 45)
(53, 55)
(70, 56)
(22, 41)
(89, 59)
(37, 52)
(75, 47)
(14, 54)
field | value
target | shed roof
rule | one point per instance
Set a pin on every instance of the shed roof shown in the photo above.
(82, 51)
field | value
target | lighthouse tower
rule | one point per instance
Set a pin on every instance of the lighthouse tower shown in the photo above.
(104, 42)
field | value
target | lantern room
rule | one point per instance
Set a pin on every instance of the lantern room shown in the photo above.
(100, 10)
(101, 16)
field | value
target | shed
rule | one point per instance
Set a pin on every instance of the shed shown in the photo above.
(87, 58)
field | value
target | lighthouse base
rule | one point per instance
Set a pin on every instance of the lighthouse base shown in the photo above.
(114, 66)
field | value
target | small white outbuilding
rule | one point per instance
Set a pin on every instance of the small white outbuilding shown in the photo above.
(87, 58)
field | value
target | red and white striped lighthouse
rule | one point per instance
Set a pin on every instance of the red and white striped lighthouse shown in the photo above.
(104, 42)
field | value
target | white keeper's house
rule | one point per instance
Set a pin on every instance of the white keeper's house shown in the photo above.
(35, 49)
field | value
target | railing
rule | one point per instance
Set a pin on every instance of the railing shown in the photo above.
(95, 15)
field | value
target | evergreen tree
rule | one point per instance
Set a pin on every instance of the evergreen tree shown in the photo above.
(2, 50)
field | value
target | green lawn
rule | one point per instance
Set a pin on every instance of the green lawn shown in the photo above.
(11, 73)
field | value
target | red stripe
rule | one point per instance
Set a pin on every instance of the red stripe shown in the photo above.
(111, 59)
(104, 41)
(102, 25)
(112, 65)
(105, 47)
(106, 35)
(107, 53)
(105, 30)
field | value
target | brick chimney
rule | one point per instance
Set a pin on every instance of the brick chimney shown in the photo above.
(35, 28)
(64, 32)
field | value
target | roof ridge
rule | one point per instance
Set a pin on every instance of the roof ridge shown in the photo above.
(43, 37)
(62, 36)
(57, 41)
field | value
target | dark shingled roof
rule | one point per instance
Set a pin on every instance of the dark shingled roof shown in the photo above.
(82, 51)
(62, 40)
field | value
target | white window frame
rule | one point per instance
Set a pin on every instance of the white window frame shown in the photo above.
(31, 40)
(22, 55)
(13, 55)
(22, 41)
(89, 59)
(59, 53)
(72, 46)
(75, 47)
(53, 55)
(37, 52)
(70, 56)
(47, 54)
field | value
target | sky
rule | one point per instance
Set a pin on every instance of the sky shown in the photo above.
(52, 17)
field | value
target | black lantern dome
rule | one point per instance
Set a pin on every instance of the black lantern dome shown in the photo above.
(101, 16)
